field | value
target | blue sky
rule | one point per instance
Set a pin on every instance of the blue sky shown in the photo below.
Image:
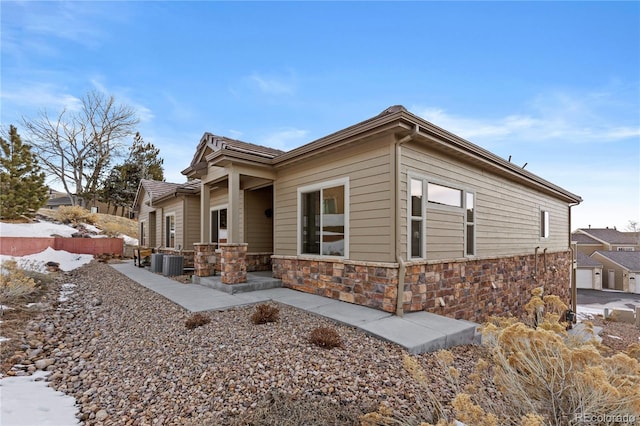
(555, 85)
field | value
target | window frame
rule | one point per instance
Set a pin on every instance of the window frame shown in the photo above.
(168, 232)
(426, 205)
(320, 186)
(142, 229)
(544, 224)
(218, 208)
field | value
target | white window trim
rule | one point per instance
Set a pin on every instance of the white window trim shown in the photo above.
(347, 201)
(466, 223)
(218, 208)
(426, 205)
(166, 230)
(142, 228)
(547, 233)
(423, 249)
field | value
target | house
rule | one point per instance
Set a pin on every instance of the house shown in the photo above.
(168, 216)
(393, 213)
(621, 269)
(588, 272)
(607, 242)
(608, 239)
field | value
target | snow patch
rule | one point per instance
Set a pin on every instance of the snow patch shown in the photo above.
(36, 262)
(36, 229)
(65, 292)
(27, 400)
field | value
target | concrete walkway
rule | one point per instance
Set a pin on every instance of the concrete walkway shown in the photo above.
(417, 332)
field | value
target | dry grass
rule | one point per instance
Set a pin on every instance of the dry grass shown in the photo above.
(109, 224)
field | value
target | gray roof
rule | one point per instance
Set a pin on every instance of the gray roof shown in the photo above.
(612, 236)
(580, 238)
(160, 189)
(585, 261)
(234, 145)
(629, 259)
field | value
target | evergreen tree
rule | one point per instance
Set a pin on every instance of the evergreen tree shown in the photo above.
(143, 162)
(22, 188)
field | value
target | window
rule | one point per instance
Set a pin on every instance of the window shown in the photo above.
(417, 218)
(626, 249)
(170, 231)
(442, 197)
(323, 219)
(219, 226)
(544, 224)
(143, 237)
(447, 196)
(470, 217)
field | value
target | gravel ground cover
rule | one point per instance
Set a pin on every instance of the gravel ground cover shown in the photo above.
(125, 354)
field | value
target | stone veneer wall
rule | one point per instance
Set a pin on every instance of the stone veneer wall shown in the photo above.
(189, 255)
(204, 259)
(471, 289)
(233, 263)
(258, 262)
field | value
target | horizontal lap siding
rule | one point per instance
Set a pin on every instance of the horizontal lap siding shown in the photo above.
(370, 206)
(507, 213)
(445, 235)
(259, 227)
(176, 208)
(192, 222)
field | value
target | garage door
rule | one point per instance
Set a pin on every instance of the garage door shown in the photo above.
(584, 278)
(634, 281)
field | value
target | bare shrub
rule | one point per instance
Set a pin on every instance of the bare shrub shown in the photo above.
(74, 215)
(325, 337)
(113, 229)
(197, 320)
(14, 282)
(279, 409)
(265, 313)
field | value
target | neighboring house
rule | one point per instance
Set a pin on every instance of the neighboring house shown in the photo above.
(621, 270)
(608, 239)
(588, 272)
(168, 216)
(393, 213)
(58, 199)
(607, 242)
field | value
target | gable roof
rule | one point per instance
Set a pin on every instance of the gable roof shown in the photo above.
(210, 144)
(628, 259)
(159, 190)
(611, 236)
(395, 120)
(585, 261)
(580, 238)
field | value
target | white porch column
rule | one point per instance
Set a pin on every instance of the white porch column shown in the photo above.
(205, 215)
(233, 213)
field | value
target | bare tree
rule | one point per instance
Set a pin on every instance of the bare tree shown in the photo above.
(632, 226)
(77, 148)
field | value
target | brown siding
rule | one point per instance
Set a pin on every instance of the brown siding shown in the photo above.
(192, 222)
(507, 213)
(367, 165)
(259, 227)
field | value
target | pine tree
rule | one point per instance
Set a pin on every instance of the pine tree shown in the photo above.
(143, 162)
(22, 188)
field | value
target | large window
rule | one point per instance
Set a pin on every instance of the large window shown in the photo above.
(323, 219)
(426, 194)
(170, 231)
(219, 226)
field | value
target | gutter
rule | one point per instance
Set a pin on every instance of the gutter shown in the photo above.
(402, 266)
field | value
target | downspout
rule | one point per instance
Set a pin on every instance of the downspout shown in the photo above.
(574, 265)
(535, 263)
(544, 252)
(401, 263)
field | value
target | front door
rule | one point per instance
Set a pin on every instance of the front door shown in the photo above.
(611, 283)
(219, 225)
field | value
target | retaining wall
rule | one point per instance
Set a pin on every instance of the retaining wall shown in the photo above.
(23, 246)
